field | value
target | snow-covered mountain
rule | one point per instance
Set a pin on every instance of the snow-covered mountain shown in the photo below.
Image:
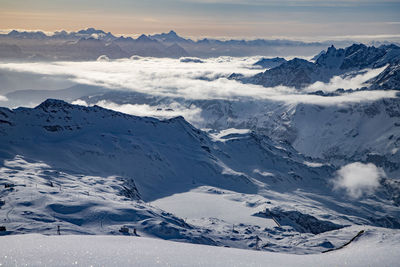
(268, 63)
(149, 47)
(92, 170)
(299, 73)
(388, 79)
(48, 46)
(344, 132)
(38, 35)
(92, 48)
(170, 37)
(294, 73)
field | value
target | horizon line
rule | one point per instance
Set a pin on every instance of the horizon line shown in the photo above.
(305, 39)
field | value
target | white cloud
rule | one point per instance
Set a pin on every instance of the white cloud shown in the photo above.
(345, 82)
(171, 78)
(3, 98)
(191, 114)
(355, 97)
(80, 102)
(358, 179)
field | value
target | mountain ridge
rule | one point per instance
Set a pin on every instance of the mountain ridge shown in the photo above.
(299, 73)
(32, 44)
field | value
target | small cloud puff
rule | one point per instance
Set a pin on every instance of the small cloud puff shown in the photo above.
(358, 179)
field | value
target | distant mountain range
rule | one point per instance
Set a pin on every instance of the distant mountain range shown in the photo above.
(91, 43)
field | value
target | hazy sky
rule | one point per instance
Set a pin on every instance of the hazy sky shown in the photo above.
(310, 19)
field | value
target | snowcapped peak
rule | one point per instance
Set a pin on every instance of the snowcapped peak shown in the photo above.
(298, 62)
(143, 37)
(170, 37)
(27, 34)
(13, 32)
(270, 62)
(91, 31)
(331, 49)
(173, 33)
(53, 103)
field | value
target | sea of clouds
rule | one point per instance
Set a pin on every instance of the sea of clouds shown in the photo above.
(189, 80)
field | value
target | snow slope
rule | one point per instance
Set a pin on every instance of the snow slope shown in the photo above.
(340, 133)
(372, 249)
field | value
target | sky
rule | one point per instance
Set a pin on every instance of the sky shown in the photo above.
(292, 19)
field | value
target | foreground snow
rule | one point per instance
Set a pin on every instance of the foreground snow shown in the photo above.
(39, 250)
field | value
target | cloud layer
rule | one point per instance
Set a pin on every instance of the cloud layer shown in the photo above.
(358, 179)
(208, 80)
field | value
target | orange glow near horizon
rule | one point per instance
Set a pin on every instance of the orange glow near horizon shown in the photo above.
(194, 18)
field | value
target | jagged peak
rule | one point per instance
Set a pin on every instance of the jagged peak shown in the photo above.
(172, 32)
(123, 38)
(389, 46)
(331, 49)
(354, 48)
(144, 37)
